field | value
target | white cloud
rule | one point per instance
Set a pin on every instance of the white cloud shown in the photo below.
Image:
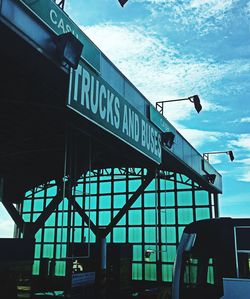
(245, 120)
(244, 161)
(243, 141)
(245, 177)
(199, 137)
(158, 70)
(200, 15)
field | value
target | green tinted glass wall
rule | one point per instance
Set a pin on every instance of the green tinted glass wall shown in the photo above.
(155, 221)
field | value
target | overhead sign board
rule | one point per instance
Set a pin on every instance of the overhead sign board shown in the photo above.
(60, 23)
(96, 100)
(160, 121)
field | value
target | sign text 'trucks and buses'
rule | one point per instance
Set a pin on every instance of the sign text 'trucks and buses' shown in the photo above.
(93, 98)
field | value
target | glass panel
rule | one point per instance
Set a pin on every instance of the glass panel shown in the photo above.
(37, 251)
(134, 184)
(185, 216)
(135, 235)
(168, 253)
(184, 198)
(202, 213)
(104, 218)
(105, 187)
(26, 217)
(149, 216)
(119, 234)
(149, 199)
(119, 201)
(167, 271)
(135, 217)
(38, 204)
(36, 267)
(120, 186)
(60, 268)
(201, 198)
(136, 271)
(105, 202)
(51, 192)
(167, 216)
(168, 235)
(137, 253)
(49, 235)
(51, 221)
(167, 199)
(27, 205)
(150, 272)
(150, 234)
(48, 250)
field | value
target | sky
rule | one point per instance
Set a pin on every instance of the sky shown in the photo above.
(171, 49)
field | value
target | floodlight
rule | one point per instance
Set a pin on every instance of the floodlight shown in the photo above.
(168, 139)
(69, 49)
(197, 103)
(231, 155)
(193, 99)
(211, 178)
(122, 2)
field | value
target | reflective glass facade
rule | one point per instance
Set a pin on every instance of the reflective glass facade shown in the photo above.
(155, 221)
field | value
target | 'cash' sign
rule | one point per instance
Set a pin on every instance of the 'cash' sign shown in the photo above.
(93, 98)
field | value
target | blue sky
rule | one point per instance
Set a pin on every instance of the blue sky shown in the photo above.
(173, 49)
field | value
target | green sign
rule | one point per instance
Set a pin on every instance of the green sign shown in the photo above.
(60, 23)
(94, 99)
(160, 121)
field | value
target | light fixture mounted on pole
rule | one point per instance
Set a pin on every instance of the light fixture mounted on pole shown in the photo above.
(61, 3)
(193, 99)
(229, 153)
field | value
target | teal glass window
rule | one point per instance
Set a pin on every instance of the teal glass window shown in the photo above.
(168, 234)
(201, 198)
(150, 234)
(51, 221)
(119, 201)
(150, 216)
(150, 272)
(135, 217)
(105, 187)
(48, 250)
(49, 235)
(202, 213)
(167, 199)
(104, 202)
(119, 235)
(36, 268)
(185, 215)
(27, 205)
(167, 272)
(120, 186)
(134, 184)
(135, 235)
(104, 217)
(137, 253)
(149, 200)
(136, 271)
(167, 216)
(184, 198)
(168, 253)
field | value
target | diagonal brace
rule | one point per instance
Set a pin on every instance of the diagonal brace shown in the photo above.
(147, 180)
(81, 212)
(14, 215)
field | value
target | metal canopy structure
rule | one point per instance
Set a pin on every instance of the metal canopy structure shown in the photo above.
(61, 127)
